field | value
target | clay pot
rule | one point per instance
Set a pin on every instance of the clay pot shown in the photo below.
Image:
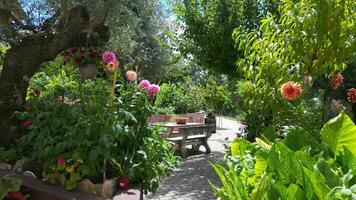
(124, 183)
(182, 120)
(88, 71)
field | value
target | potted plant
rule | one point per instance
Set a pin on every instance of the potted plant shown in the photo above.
(180, 120)
(125, 167)
(85, 58)
(10, 189)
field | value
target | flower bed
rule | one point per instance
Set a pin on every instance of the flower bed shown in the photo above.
(39, 190)
(91, 134)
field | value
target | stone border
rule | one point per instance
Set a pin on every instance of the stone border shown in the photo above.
(40, 190)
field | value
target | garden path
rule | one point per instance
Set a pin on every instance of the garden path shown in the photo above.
(190, 180)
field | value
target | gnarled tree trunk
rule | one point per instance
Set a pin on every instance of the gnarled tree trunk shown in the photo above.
(23, 60)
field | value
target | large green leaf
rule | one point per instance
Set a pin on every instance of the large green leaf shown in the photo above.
(349, 160)
(295, 192)
(318, 182)
(229, 180)
(261, 163)
(331, 177)
(297, 138)
(262, 188)
(280, 162)
(240, 146)
(338, 132)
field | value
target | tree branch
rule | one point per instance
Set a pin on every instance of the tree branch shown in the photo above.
(48, 24)
(101, 16)
(65, 12)
(5, 16)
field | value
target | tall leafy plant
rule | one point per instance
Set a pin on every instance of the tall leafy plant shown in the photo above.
(297, 167)
(308, 40)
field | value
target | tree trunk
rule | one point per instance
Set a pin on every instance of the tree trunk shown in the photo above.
(23, 60)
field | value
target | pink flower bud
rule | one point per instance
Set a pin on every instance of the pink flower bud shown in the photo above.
(144, 84)
(153, 89)
(131, 75)
(336, 106)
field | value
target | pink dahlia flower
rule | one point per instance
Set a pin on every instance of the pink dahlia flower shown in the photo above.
(144, 84)
(291, 91)
(351, 95)
(336, 81)
(153, 89)
(336, 106)
(131, 75)
(109, 57)
(308, 80)
(60, 161)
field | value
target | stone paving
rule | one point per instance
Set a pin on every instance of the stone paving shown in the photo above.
(191, 180)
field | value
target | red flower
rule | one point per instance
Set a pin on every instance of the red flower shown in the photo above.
(15, 196)
(26, 123)
(351, 95)
(124, 183)
(336, 81)
(60, 161)
(74, 49)
(291, 91)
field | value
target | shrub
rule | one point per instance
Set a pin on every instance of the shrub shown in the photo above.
(309, 39)
(72, 119)
(181, 98)
(300, 166)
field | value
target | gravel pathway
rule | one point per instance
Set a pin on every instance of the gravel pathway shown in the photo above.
(190, 181)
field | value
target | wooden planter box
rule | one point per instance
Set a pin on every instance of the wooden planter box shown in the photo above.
(40, 190)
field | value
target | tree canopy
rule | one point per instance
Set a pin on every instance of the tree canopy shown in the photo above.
(207, 28)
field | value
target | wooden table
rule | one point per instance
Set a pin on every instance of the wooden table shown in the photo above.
(172, 126)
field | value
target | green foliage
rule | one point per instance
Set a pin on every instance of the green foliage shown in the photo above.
(219, 98)
(2, 55)
(208, 26)
(140, 32)
(8, 155)
(72, 170)
(314, 38)
(339, 133)
(287, 170)
(72, 119)
(181, 98)
(8, 184)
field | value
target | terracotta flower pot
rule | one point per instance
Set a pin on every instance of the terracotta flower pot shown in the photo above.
(88, 71)
(182, 120)
(124, 183)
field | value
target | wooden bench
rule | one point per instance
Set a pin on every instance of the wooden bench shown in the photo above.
(195, 136)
